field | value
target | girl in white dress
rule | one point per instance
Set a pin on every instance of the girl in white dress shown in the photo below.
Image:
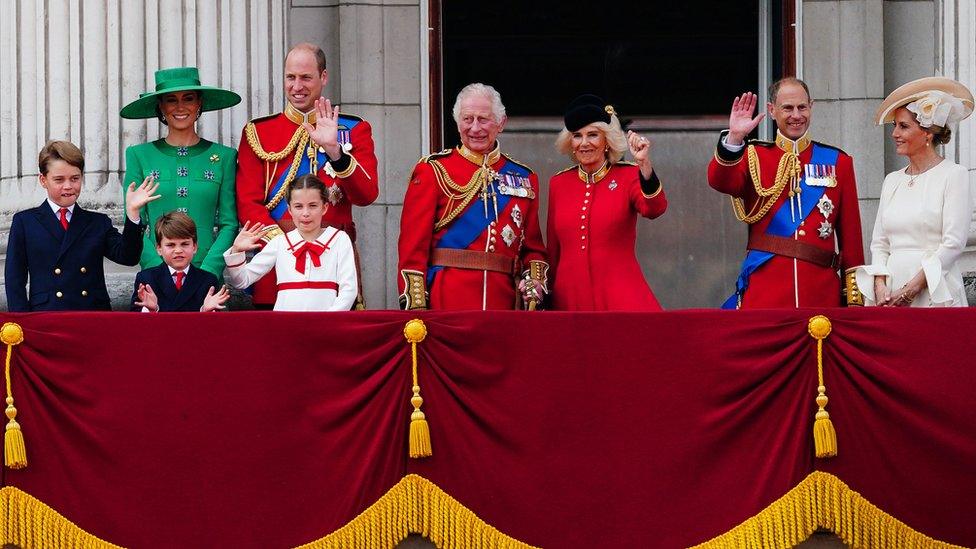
(315, 266)
(925, 209)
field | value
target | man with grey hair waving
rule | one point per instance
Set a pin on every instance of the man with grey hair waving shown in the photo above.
(469, 232)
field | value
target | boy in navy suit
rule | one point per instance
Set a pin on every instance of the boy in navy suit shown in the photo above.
(55, 251)
(175, 284)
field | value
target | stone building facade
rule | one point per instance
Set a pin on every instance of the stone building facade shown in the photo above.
(67, 66)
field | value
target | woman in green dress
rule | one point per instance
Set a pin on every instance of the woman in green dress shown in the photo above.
(195, 176)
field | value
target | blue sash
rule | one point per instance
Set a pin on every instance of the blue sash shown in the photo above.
(781, 224)
(468, 226)
(344, 134)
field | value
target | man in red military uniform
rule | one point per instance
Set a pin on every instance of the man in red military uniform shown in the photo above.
(799, 198)
(470, 226)
(310, 136)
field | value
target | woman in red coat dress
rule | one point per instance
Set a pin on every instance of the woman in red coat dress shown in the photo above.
(593, 209)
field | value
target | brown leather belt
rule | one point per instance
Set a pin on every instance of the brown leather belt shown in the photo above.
(472, 259)
(794, 248)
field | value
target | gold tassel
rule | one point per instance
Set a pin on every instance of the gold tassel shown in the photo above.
(415, 331)
(14, 451)
(824, 435)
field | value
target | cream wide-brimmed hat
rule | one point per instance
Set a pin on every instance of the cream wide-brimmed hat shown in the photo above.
(935, 100)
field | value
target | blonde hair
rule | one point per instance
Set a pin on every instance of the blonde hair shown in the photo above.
(616, 140)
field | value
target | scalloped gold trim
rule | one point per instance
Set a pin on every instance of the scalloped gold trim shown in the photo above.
(416, 505)
(823, 501)
(29, 522)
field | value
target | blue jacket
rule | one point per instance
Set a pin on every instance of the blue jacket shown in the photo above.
(190, 297)
(64, 268)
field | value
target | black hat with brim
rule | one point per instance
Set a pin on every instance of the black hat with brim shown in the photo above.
(585, 110)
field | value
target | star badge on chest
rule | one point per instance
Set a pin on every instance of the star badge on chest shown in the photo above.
(825, 206)
(612, 185)
(508, 235)
(335, 194)
(517, 216)
(825, 229)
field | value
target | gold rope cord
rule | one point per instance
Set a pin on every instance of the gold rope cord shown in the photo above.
(280, 195)
(14, 450)
(465, 193)
(823, 501)
(787, 171)
(416, 505)
(251, 132)
(28, 522)
(415, 331)
(824, 435)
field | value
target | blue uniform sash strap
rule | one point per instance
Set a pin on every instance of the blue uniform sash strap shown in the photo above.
(304, 167)
(782, 224)
(468, 226)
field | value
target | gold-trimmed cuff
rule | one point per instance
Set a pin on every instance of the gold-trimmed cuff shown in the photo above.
(349, 169)
(727, 163)
(660, 187)
(268, 236)
(539, 270)
(414, 296)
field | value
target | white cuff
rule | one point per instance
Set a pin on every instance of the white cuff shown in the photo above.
(865, 281)
(732, 148)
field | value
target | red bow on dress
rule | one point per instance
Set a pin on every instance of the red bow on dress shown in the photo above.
(314, 251)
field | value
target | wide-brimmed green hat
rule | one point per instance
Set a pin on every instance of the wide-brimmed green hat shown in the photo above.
(177, 80)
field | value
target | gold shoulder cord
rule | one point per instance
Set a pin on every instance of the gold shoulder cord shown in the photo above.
(787, 172)
(298, 140)
(280, 195)
(465, 193)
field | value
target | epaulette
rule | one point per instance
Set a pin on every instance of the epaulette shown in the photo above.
(265, 117)
(573, 167)
(838, 149)
(436, 155)
(351, 116)
(761, 143)
(626, 163)
(517, 163)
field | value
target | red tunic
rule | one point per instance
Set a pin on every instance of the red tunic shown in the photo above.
(515, 234)
(772, 284)
(256, 178)
(592, 232)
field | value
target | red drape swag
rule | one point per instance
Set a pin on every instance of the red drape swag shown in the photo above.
(560, 429)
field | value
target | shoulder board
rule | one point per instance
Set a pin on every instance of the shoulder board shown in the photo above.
(435, 156)
(626, 163)
(571, 168)
(761, 143)
(517, 163)
(838, 149)
(348, 121)
(265, 117)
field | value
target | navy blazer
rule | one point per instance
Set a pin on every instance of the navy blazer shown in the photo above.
(190, 297)
(64, 268)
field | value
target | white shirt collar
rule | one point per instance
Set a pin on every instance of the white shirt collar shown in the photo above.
(57, 209)
(172, 271)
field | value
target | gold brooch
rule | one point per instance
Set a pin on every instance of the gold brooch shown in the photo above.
(214, 158)
(610, 111)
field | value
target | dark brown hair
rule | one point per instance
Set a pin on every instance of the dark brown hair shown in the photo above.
(175, 226)
(59, 150)
(314, 50)
(775, 86)
(308, 181)
(940, 135)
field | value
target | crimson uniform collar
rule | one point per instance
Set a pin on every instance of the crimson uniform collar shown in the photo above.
(788, 145)
(298, 116)
(480, 159)
(597, 176)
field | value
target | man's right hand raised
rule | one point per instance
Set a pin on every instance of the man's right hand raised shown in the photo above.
(741, 121)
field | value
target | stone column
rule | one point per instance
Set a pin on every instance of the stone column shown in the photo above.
(843, 63)
(68, 66)
(374, 62)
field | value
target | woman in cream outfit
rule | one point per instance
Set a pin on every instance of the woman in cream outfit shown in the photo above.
(925, 209)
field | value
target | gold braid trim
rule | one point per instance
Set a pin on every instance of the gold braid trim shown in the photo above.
(465, 193)
(823, 501)
(280, 195)
(416, 505)
(28, 522)
(787, 172)
(251, 132)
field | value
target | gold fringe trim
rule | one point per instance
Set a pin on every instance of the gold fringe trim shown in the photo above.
(416, 505)
(27, 522)
(823, 501)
